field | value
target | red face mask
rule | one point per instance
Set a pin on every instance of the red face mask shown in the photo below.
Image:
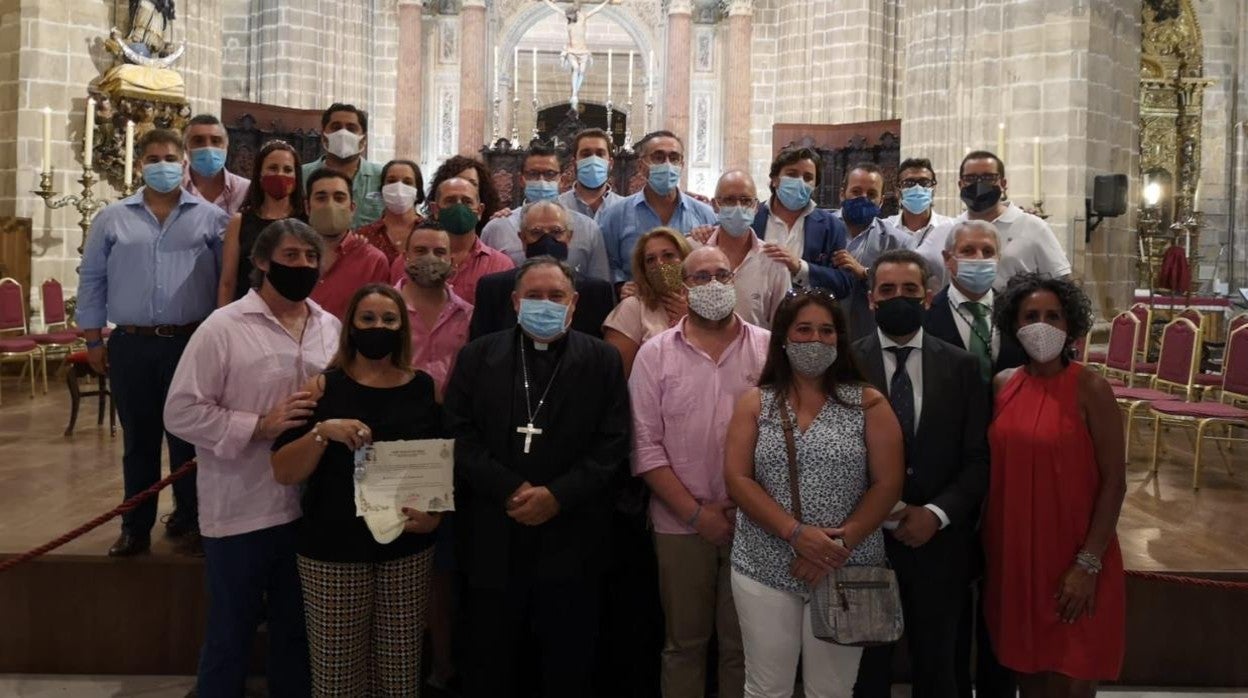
(277, 186)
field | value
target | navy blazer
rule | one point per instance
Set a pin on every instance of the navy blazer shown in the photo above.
(825, 236)
(939, 322)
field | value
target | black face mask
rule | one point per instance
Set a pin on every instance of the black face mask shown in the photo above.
(546, 245)
(293, 283)
(981, 196)
(899, 316)
(375, 342)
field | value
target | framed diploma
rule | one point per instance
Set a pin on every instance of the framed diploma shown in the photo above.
(393, 475)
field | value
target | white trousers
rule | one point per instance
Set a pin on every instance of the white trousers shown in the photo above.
(775, 632)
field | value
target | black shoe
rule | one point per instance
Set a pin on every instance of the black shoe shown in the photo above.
(129, 544)
(177, 526)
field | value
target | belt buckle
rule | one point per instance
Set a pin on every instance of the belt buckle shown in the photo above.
(165, 331)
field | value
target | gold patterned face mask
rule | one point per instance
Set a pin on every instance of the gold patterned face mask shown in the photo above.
(666, 277)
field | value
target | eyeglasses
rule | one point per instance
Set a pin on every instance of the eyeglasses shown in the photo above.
(820, 292)
(703, 278)
(918, 182)
(992, 178)
(742, 201)
(545, 175)
(659, 157)
(553, 231)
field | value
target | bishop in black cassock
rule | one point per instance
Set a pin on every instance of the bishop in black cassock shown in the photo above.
(536, 471)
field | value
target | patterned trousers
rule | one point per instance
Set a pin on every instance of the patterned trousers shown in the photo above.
(366, 624)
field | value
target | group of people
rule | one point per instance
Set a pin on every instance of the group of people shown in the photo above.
(636, 386)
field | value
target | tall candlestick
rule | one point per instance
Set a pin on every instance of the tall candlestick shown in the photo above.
(610, 68)
(129, 169)
(535, 78)
(496, 71)
(1001, 139)
(47, 140)
(630, 76)
(88, 138)
(515, 73)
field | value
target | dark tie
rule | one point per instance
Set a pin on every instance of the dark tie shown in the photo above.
(901, 392)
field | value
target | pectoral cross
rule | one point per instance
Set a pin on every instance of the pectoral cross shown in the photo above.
(529, 432)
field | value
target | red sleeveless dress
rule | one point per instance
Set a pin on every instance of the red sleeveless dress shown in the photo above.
(1042, 491)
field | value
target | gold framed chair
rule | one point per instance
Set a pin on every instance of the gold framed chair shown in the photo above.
(1175, 371)
(16, 344)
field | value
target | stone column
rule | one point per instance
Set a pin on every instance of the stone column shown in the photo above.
(472, 77)
(408, 98)
(677, 64)
(739, 88)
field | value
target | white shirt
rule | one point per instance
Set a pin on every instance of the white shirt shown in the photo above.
(914, 368)
(929, 245)
(792, 239)
(587, 254)
(761, 282)
(1027, 244)
(963, 319)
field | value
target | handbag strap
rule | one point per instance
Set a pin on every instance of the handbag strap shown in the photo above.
(787, 424)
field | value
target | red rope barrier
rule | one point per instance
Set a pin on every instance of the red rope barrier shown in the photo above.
(100, 520)
(1187, 580)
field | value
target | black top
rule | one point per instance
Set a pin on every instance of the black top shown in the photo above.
(248, 230)
(330, 531)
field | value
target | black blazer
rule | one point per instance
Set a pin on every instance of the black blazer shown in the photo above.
(494, 311)
(582, 458)
(941, 323)
(948, 463)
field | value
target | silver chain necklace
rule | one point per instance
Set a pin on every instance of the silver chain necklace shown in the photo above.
(529, 430)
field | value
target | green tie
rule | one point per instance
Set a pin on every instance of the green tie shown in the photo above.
(981, 335)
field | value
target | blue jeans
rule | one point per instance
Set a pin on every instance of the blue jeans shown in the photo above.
(140, 369)
(253, 577)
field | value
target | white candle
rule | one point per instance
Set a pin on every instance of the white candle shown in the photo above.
(515, 74)
(630, 77)
(1001, 139)
(534, 73)
(496, 72)
(650, 91)
(610, 68)
(47, 139)
(1035, 169)
(1141, 241)
(1196, 197)
(129, 170)
(88, 138)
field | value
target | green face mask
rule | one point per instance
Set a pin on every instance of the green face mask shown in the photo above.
(458, 219)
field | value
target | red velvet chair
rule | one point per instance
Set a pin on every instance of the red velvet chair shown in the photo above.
(1119, 364)
(1176, 369)
(57, 335)
(16, 345)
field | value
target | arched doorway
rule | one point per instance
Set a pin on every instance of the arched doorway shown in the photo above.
(556, 124)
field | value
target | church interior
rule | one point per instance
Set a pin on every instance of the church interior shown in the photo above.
(1122, 124)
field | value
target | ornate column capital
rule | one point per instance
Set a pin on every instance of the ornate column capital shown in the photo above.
(679, 7)
(473, 4)
(737, 8)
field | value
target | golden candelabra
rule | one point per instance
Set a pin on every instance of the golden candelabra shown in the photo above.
(85, 202)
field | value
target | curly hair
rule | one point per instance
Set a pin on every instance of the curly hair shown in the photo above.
(486, 193)
(1076, 307)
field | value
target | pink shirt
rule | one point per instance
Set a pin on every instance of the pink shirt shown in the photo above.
(358, 263)
(232, 195)
(237, 366)
(434, 349)
(634, 320)
(682, 402)
(481, 260)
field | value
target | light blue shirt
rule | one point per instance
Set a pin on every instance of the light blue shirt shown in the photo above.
(632, 217)
(365, 190)
(572, 202)
(866, 247)
(138, 271)
(586, 253)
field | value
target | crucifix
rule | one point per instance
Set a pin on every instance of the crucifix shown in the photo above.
(529, 432)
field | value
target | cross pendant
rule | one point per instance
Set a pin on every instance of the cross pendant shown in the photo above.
(529, 432)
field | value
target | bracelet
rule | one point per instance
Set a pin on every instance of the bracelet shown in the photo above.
(692, 520)
(316, 433)
(94, 343)
(1088, 562)
(797, 528)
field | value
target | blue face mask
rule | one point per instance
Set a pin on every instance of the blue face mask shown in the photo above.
(977, 275)
(591, 172)
(164, 177)
(207, 162)
(544, 321)
(859, 210)
(794, 193)
(916, 199)
(664, 178)
(736, 220)
(536, 190)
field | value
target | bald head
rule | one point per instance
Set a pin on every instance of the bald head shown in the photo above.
(706, 258)
(736, 188)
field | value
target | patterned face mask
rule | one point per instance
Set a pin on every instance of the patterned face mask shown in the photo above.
(666, 277)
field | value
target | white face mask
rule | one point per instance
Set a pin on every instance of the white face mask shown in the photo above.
(1042, 341)
(343, 144)
(714, 301)
(399, 197)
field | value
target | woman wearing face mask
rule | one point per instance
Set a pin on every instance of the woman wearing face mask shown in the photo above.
(1054, 596)
(276, 192)
(849, 460)
(661, 298)
(364, 600)
(402, 190)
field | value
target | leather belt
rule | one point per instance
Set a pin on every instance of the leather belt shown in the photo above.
(160, 330)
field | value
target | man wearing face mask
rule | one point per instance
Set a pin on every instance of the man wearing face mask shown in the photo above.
(439, 318)
(455, 203)
(544, 230)
(761, 282)
(869, 237)
(591, 194)
(538, 458)
(916, 185)
(1027, 242)
(344, 137)
(941, 401)
(349, 261)
(798, 234)
(585, 253)
(206, 144)
(156, 295)
(660, 203)
(684, 384)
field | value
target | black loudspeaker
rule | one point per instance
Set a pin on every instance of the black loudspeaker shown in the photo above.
(1109, 195)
